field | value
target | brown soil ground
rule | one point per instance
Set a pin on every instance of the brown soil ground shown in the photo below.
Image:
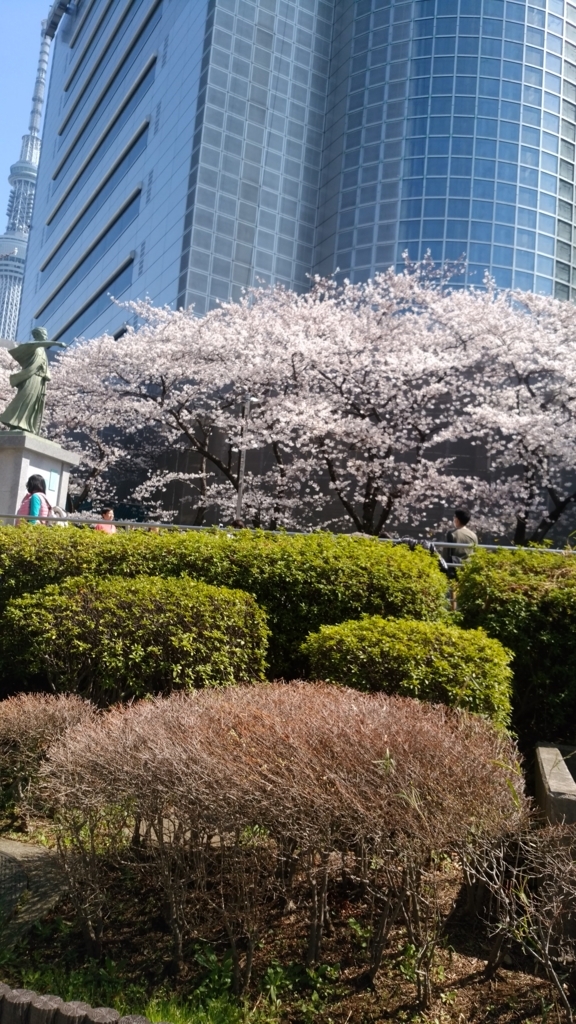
(137, 960)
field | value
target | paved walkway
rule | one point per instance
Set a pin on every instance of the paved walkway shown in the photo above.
(31, 882)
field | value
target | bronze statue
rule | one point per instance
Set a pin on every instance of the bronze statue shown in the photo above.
(26, 409)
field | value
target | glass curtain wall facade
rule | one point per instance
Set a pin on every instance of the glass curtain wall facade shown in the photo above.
(450, 128)
(254, 181)
(113, 175)
(183, 161)
(196, 148)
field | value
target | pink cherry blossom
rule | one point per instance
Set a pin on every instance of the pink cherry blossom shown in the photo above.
(373, 406)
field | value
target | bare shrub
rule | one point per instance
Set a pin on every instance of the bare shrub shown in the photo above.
(231, 799)
(529, 879)
(91, 821)
(29, 723)
(399, 784)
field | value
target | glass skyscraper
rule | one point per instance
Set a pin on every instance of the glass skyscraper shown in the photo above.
(452, 123)
(195, 147)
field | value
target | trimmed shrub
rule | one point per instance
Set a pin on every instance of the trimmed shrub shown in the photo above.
(308, 784)
(428, 660)
(29, 723)
(301, 582)
(113, 639)
(527, 600)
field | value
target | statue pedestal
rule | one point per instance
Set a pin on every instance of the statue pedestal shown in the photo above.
(21, 455)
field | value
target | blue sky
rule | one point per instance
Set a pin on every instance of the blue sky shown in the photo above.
(19, 48)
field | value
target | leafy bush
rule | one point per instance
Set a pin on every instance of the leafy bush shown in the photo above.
(428, 660)
(111, 639)
(302, 582)
(527, 600)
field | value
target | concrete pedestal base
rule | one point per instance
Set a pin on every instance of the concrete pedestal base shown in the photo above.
(555, 786)
(21, 455)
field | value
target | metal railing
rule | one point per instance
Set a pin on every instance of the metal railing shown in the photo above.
(152, 525)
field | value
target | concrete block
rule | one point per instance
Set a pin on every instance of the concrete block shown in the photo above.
(555, 787)
(21, 455)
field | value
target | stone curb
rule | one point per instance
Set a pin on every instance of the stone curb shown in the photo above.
(555, 786)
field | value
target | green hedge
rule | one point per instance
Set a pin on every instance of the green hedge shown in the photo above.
(527, 600)
(113, 639)
(428, 660)
(302, 582)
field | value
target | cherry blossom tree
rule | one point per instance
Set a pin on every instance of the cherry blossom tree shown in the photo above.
(344, 390)
(386, 388)
(522, 400)
(179, 384)
(360, 398)
(7, 366)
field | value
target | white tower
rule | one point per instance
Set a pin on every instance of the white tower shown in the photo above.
(23, 181)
